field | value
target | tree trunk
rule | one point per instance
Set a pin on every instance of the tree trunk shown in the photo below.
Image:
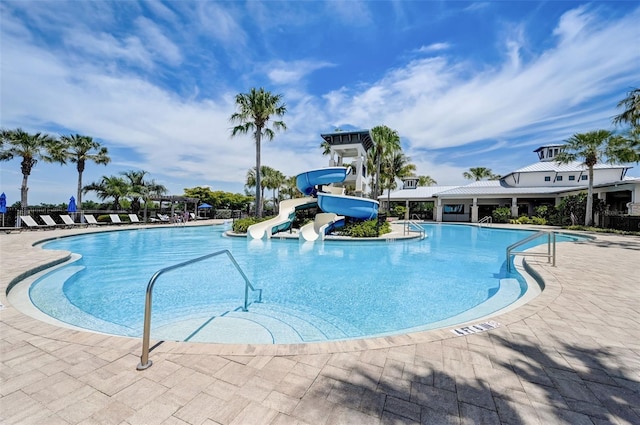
(258, 135)
(79, 191)
(588, 216)
(23, 195)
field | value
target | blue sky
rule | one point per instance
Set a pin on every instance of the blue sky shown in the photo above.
(465, 84)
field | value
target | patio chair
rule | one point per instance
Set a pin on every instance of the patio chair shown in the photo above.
(50, 222)
(31, 223)
(115, 219)
(69, 221)
(91, 220)
(133, 218)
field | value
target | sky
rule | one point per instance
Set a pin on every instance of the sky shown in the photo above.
(465, 84)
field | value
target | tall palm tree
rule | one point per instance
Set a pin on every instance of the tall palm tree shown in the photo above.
(110, 187)
(426, 181)
(326, 148)
(593, 148)
(31, 148)
(386, 142)
(80, 149)
(254, 111)
(631, 113)
(397, 165)
(479, 173)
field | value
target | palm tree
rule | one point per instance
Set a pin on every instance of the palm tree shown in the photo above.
(31, 148)
(385, 143)
(326, 148)
(80, 149)
(396, 166)
(110, 187)
(252, 181)
(140, 188)
(631, 113)
(426, 181)
(593, 148)
(254, 111)
(290, 187)
(273, 179)
(479, 173)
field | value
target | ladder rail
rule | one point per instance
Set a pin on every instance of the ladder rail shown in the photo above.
(144, 358)
(551, 247)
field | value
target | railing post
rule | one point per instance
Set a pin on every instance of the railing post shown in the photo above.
(553, 237)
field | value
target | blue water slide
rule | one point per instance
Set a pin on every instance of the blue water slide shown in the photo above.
(308, 181)
(350, 206)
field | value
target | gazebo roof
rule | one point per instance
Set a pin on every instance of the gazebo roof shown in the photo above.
(349, 137)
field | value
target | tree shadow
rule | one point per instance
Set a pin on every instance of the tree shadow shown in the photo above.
(495, 382)
(630, 244)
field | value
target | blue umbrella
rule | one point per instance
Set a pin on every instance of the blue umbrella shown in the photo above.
(203, 206)
(72, 205)
(3, 206)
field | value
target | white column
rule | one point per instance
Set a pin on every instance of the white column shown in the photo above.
(474, 211)
(406, 213)
(439, 210)
(514, 207)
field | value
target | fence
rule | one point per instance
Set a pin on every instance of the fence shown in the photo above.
(629, 223)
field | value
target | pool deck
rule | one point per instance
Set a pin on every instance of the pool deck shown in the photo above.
(572, 356)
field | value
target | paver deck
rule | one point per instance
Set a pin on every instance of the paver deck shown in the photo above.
(572, 355)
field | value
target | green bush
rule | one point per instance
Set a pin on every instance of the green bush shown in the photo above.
(540, 221)
(364, 229)
(241, 225)
(501, 215)
(399, 211)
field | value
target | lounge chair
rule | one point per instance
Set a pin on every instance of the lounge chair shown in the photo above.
(115, 219)
(50, 222)
(91, 220)
(160, 218)
(133, 218)
(31, 223)
(69, 221)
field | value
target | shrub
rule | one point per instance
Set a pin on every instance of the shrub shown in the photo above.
(399, 211)
(241, 225)
(364, 229)
(540, 221)
(501, 215)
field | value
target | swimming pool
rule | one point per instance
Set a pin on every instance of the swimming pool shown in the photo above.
(311, 291)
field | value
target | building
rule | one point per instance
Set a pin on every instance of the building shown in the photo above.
(542, 183)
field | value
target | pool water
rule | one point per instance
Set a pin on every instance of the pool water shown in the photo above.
(311, 291)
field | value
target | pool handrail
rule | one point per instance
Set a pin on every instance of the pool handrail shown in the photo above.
(420, 229)
(551, 247)
(144, 358)
(487, 219)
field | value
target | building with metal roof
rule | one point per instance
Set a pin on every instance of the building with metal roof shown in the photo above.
(543, 183)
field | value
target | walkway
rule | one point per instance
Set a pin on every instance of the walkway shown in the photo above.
(570, 356)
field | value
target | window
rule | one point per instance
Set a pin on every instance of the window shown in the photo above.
(584, 178)
(572, 178)
(547, 179)
(558, 178)
(454, 209)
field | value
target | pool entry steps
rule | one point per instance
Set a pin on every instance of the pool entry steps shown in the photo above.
(144, 358)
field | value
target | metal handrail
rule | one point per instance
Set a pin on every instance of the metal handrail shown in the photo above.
(144, 358)
(487, 219)
(407, 228)
(551, 248)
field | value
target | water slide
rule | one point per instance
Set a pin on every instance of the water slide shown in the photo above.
(283, 220)
(332, 201)
(315, 184)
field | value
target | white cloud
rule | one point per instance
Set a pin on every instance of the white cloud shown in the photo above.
(281, 72)
(435, 47)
